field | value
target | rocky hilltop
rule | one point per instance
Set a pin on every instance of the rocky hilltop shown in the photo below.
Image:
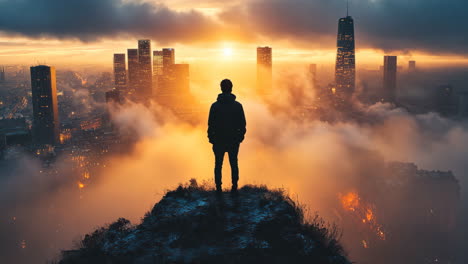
(193, 225)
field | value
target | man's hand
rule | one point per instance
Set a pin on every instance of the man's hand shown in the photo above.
(240, 137)
(211, 138)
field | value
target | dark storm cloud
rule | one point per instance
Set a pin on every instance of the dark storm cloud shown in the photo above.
(437, 26)
(432, 25)
(93, 19)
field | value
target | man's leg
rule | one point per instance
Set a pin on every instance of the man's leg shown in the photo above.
(233, 152)
(219, 157)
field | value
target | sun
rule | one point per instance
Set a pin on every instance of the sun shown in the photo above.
(227, 52)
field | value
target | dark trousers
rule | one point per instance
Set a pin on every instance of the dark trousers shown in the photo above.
(232, 150)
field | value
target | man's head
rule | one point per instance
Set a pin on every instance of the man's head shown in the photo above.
(226, 86)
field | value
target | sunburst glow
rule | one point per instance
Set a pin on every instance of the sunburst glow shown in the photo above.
(228, 52)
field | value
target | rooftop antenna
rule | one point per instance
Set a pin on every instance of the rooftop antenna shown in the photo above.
(347, 8)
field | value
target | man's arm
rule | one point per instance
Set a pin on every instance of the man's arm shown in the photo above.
(211, 125)
(242, 124)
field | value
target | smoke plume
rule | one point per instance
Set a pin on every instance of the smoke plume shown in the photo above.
(314, 161)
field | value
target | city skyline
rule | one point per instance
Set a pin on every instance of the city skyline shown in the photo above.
(147, 76)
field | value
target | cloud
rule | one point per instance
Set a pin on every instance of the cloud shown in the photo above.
(90, 20)
(430, 26)
(315, 160)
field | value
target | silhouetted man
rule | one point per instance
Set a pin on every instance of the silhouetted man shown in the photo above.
(226, 130)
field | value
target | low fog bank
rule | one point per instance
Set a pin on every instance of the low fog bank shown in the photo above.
(317, 162)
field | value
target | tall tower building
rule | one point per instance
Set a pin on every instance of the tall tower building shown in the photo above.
(168, 58)
(164, 62)
(2, 74)
(45, 109)
(145, 73)
(133, 69)
(390, 78)
(158, 70)
(412, 66)
(264, 69)
(120, 72)
(345, 69)
(157, 63)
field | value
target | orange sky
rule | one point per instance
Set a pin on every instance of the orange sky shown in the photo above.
(24, 50)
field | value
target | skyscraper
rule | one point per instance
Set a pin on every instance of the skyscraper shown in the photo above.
(264, 69)
(120, 72)
(133, 69)
(168, 58)
(145, 70)
(345, 69)
(157, 63)
(2, 75)
(162, 70)
(45, 109)
(412, 66)
(158, 70)
(390, 78)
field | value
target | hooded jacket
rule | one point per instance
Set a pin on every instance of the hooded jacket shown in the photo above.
(226, 122)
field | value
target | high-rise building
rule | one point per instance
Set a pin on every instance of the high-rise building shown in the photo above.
(133, 70)
(345, 68)
(120, 72)
(264, 69)
(146, 72)
(2, 75)
(412, 66)
(168, 58)
(390, 78)
(158, 70)
(163, 72)
(45, 109)
(158, 63)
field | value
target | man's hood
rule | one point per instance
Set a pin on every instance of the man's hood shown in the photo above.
(226, 98)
